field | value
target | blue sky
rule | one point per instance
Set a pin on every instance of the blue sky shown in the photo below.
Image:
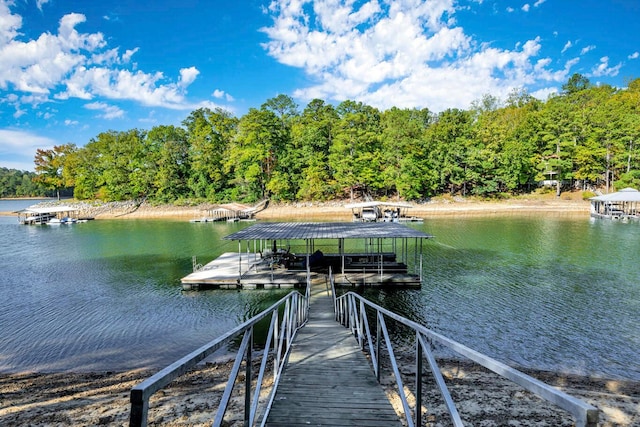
(72, 69)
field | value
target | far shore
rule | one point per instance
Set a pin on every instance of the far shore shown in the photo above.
(570, 205)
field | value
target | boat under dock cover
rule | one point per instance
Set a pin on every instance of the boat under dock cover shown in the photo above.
(267, 268)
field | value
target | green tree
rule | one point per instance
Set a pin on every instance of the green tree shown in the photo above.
(169, 147)
(307, 154)
(577, 82)
(556, 142)
(50, 165)
(405, 171)
(254, 154)
(209, 134)
(447, 149)
(355, 157)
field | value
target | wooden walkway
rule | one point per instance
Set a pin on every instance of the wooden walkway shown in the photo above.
(327, 380)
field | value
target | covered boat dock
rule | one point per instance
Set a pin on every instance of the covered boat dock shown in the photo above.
(285, 254)
(47, 215)
(623, 205)
(373, 211)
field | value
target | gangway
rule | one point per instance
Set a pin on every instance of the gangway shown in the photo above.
(320, 373)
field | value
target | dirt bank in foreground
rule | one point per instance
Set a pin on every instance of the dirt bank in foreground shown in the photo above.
(483, 399)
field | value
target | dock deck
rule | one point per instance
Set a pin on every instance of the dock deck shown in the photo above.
(242, 271)
(327, 380)
(250, 271)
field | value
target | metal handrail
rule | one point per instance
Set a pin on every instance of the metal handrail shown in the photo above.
(282, 330)
(351, 312)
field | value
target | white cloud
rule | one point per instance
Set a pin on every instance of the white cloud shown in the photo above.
(9, 24)
(69, 122)
(567, 46)
(587, 49)
(18, 148)
(188, 76)
(73, 64)
(510, 9)
(408, 53)
(109, 112)
(526, 7)
(40, 3)
(538, 3)
(220, 94)
(544, 93)
(19, 112)
(126, 57)
(603, 68)
(634, 55)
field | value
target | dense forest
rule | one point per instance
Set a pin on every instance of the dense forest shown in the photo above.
(16, 183)
(582, 138)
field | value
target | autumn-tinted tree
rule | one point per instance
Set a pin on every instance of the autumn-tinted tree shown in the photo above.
(50, 165)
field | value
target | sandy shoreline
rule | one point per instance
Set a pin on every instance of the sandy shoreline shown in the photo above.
(335, 210)
(483, 398)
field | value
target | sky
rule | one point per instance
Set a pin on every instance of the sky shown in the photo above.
(71, 69)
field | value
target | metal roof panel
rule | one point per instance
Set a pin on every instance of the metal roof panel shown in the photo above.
(325, 230)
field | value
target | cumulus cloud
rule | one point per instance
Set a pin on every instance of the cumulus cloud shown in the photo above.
(220, 94)
(188, 76)
(567, 46)
(408, 53)
(72, 64)
(634, 55)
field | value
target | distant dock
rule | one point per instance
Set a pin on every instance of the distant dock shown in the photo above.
(381, 260)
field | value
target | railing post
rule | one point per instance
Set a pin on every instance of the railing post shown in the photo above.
(361, 325)
(418, 419)
(139, 409)
(247, 382)
(378, 333)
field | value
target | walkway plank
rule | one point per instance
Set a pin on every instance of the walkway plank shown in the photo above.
(327, 380)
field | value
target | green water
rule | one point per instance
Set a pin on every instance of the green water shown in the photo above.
(554, 293)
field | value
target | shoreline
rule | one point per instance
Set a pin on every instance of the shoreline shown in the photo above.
(335, 210)
(102, 398)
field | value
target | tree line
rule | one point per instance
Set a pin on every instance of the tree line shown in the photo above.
(17, 183)
(583, 137)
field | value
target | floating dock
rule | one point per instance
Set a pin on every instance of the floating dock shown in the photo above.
(382, 259)
(233, 270)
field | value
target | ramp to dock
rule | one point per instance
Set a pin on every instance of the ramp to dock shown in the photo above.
(327, 380)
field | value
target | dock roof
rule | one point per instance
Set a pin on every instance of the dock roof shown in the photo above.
(624, 195)
(361, 205)
(326, 230)
(46, 210)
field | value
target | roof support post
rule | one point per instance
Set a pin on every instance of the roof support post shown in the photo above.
(239, 261)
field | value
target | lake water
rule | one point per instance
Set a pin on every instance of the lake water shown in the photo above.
(552, 293)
